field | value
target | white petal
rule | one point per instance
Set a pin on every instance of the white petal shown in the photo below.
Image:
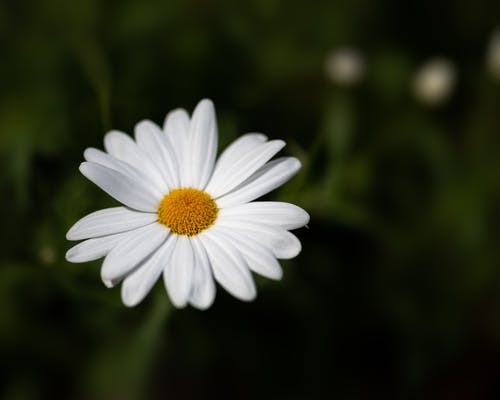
(137, 285)
(282, 243)
(225, 179)
(202, 144)
(203, 289)
(178, 274)
(284, 215)
(93, 249)
(138, 245)
(229, 266)
(123, 147)
(151, 140)
(236, 150)
(260, 259)
(127, 190)
(176, 129)
(100, 157)
(267, 178)
(109, 221)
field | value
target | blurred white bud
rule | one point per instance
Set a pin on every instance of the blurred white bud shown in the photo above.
(345, 66)
(434, 81)
(47, 255)
(493, 55)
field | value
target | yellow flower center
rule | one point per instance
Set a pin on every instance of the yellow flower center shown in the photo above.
(187, 211)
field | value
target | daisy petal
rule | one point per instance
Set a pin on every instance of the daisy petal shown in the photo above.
(225, 179)
(267, 178)
(106, 160)
(177, 123)
(259, 258)
(123, 147)
(282, 243)
(178, 274)
(136, 246)
(203, 290)
(229, 266)
(235, 151)
(176, 129)
(127, 190)
(202, 144)
(151, 140)
(109, 221)
(138, 284)
(93, 249)
(100, 157)
(284, 215)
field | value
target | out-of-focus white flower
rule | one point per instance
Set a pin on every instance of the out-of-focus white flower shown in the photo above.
(185, 214)
(345, 66)
(493, 55)
(47, 255)
(434, 81)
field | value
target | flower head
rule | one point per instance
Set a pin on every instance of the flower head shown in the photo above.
(185, 214)
(345, 66)
(434, 81)
(493, 55)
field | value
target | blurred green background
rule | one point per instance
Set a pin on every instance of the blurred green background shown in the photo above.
(396, 293)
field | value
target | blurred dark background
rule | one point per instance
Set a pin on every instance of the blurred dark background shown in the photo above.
(394, 110)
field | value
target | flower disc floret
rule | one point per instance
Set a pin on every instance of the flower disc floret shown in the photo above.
(187, 211)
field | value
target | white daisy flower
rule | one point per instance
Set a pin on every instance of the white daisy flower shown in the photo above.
(434, 81)
(185, 214)
(345, 66)
(493, 55)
